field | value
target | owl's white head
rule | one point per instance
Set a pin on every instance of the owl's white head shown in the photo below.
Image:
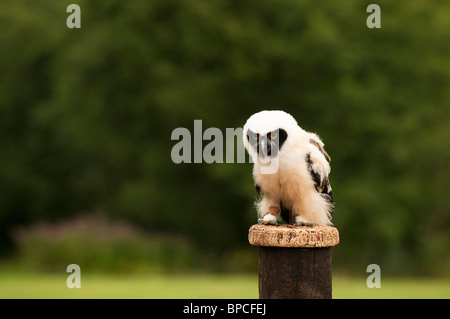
(266, 132)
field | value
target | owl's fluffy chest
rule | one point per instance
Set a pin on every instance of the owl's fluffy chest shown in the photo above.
(290, 183)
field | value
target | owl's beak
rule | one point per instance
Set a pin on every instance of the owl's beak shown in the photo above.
(262, 148)
(265, 148)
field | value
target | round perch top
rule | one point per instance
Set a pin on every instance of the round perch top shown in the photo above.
(293, 236)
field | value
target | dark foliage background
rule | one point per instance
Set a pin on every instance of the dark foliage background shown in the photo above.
(86, 117)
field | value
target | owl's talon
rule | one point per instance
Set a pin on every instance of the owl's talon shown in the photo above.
(268, 219)
(300, 221)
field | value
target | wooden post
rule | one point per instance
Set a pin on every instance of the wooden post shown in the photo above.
(294, 262)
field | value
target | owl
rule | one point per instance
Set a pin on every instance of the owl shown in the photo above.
(290, 171)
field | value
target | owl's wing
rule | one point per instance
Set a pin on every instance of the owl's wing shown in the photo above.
(319, 168)
(317, 142)
(319, 176)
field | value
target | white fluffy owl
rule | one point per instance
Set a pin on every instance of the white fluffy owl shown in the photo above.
(290, 170)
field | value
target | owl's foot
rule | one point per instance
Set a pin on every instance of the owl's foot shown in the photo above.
(300, 221)
(268, 219)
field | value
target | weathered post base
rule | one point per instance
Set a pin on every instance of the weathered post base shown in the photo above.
(294, 262)
(298, 273)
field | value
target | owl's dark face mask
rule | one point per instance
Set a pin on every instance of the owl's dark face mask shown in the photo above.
(267, 145)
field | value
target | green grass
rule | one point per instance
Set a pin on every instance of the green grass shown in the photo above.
(401, 288)
(26, 285)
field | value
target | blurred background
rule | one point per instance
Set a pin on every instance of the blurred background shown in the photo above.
(86, 117)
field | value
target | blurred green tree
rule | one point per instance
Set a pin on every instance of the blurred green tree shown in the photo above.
(86, 116)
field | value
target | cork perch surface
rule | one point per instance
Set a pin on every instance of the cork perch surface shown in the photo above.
(293, 236)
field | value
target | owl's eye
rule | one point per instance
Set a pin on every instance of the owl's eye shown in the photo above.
(256, 137)
(273, 136)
